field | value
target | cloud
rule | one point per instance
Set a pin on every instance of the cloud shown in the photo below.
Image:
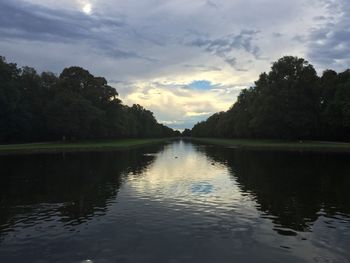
(211, 4)
(277, 34)
(19, 20)
(181, 107)
(27, 20)
(202, 68)
(198, 114)
(152, 50)
(328, 44)
(226, 46)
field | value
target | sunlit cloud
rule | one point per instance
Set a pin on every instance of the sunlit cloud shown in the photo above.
(198, 114)
(87, 8)
(179, 105)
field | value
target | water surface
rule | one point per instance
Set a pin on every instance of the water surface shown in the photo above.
(179, 202)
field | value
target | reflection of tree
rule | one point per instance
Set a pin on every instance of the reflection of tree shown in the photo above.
(77, 185)
(291, 188)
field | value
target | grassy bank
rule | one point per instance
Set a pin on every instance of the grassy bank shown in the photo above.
(76, 146)
(279, 145)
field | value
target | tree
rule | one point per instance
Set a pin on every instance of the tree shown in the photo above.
(336, 105)
(286, 101)
(76, 105)
(289, 102)
(10, 96)
(186, 133)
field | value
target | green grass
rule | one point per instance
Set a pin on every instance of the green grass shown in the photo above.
(76, 146)
(130, 143)
(279, 144)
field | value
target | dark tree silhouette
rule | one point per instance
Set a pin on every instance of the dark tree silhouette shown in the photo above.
(74, 106)
(289, 102)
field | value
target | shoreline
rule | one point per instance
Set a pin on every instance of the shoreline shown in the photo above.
(123, 144)
(255, 144)
(82, 146)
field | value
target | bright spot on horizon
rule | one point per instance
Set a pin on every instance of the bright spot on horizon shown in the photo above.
(87, 8)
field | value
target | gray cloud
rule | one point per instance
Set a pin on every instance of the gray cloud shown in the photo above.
(328, 45)
(19, 20)
(212, 4)
(224, 47)
(277, 34)
(25, 20)
(299, 38)
(202, 68)
(320, 18)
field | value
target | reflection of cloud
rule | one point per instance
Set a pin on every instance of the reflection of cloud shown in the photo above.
(202, 188)
(183, 174)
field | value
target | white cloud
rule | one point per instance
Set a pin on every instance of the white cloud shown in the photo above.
(178, 106)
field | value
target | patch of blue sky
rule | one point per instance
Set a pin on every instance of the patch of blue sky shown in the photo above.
(201, 85)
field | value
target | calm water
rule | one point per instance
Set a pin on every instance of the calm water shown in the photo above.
(178, 202)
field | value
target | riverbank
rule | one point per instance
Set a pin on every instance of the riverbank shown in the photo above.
(77, 146)
(278, 144)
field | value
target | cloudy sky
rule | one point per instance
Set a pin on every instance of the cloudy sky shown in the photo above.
(182, 59)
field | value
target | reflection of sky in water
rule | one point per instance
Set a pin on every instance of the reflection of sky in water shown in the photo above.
(182, 175)
(181, 207)
(185, 180)
(202, 188)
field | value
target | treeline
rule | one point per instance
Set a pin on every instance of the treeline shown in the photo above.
(73, 106)
(289, 102)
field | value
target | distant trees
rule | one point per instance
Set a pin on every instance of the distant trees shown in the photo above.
(76, 105)
(289, 102)
(186, 133)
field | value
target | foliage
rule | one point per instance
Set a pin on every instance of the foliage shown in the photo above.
(74, 106)
(289, 102)
(186, 133)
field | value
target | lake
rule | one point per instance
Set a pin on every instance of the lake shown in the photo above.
(175, 202)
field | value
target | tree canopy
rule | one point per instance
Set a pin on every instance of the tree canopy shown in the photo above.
(74, 105)
(289, 102)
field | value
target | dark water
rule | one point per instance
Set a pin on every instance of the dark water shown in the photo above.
(175, 203)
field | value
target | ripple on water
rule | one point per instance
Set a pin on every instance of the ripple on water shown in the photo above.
(206, 205)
